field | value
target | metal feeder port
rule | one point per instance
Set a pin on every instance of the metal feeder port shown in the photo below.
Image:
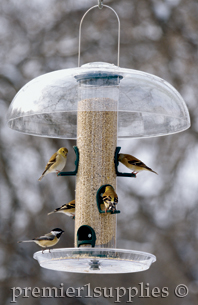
(96, 104)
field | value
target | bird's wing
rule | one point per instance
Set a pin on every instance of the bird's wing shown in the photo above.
(136, 162)
(106, 198)
(109, 195)
(51, 161)
(48, 236)
(67, 206)
(71, 205)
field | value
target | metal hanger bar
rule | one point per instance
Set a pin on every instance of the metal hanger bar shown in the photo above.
(100, 6)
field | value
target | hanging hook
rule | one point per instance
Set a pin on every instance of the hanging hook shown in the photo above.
(100, 6)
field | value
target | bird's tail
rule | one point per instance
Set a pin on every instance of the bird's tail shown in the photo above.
(25, 241)
(43, 174)
(40, 177)
(151, 170)
(51, 212)
(56, 210)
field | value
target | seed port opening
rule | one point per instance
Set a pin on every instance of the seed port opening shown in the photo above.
(86, 235)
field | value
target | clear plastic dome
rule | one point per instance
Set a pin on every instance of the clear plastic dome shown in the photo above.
(148, 105)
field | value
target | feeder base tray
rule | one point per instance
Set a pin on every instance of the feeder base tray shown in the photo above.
(95, 260)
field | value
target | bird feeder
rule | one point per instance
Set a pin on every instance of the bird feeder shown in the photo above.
(97, 103)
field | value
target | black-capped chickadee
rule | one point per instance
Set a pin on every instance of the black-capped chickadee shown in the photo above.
(48, 240)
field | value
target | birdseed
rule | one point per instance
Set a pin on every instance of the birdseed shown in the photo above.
(96, 141)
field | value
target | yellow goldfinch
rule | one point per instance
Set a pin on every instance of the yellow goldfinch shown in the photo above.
(133, 163)
(110, 198)
(48, 240)
(56, 163)
(67, 209)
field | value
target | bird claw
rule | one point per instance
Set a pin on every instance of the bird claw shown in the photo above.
(57, 172)
(44, 250)
(135, 173)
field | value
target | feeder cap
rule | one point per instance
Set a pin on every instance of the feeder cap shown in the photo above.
(148, 106)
